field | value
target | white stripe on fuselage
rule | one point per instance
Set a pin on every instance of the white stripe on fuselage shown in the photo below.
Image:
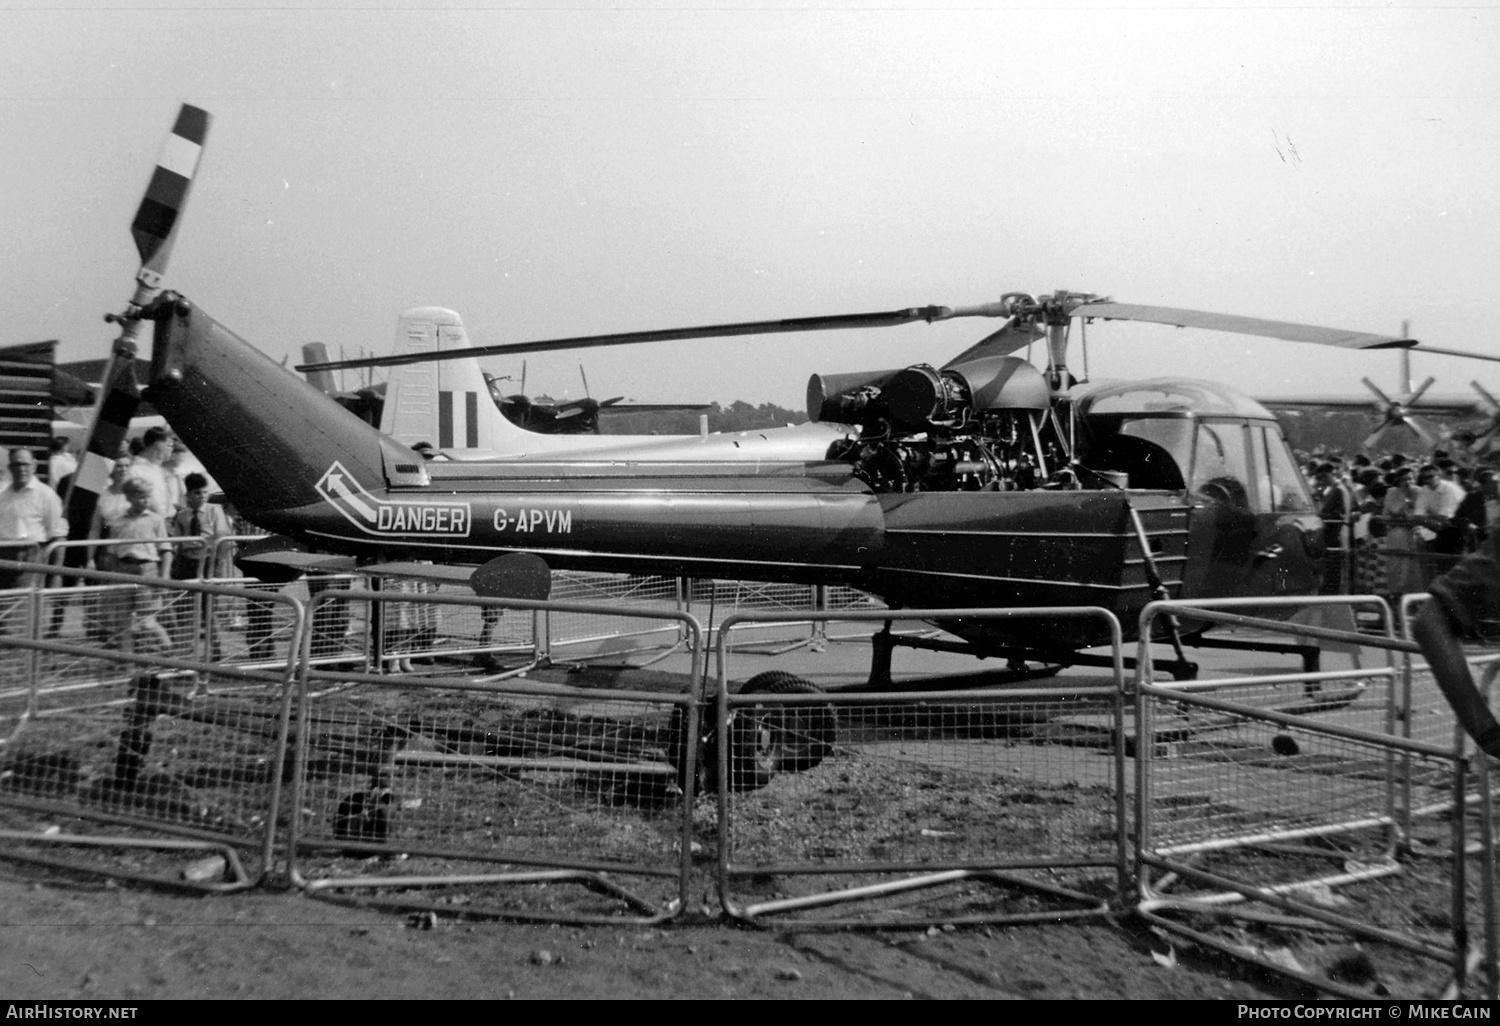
(795, 443)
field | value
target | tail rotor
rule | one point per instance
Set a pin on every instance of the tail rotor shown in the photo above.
(154, 230)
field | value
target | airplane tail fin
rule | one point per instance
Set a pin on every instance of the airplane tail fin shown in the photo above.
(447, 403)
(322, 380)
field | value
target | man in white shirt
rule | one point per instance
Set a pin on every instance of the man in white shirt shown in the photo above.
(151, 467)
(61, 463)
(31, 515)
(1438, 500)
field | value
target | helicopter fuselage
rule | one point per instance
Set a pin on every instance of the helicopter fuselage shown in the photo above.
(294, 462)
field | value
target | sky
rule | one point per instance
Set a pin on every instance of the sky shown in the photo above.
(551, 171)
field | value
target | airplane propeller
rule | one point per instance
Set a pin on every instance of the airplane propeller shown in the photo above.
(1485, 439)
(1396, 413)
(154, 231)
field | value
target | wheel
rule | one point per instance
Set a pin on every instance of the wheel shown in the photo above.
(796, 737)
(678, 743)
(753, 755)
(752, 760)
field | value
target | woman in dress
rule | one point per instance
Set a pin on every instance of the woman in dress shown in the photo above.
(1403, 573)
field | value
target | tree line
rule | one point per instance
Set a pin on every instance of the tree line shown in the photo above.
(737, 416)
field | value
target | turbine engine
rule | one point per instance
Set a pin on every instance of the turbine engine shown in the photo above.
(971, 426)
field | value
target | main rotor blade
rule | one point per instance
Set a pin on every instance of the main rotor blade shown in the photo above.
(1287, 330)
(890, 318)
(1460, 352)
(1011, 337)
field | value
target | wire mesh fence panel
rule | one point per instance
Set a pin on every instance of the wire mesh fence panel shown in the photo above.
(493, 795)
(471, 799)
(1219, 774)
(159, 619)
(237, 630)
(907, 809)
(120, 740)
(1276, 837)
(933, 802)
(94, 614)
(1366, 698)
(837, 598)
(576, 635)
(436, 633)
(714, 601)
(112, 767)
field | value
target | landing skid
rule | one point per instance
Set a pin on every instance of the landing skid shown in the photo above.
(1029, 664)
(884, 642)
(1311, 654)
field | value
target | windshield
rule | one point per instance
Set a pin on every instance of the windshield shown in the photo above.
(1173, 434)
(1283, 486)
(1220, 463)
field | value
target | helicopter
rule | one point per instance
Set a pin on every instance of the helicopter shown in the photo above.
(984, 482)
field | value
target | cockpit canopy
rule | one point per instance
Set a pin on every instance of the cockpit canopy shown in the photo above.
(1170, 395)
(1198, 436)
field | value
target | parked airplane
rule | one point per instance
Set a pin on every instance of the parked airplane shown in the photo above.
(1400, 414)
(448, 404)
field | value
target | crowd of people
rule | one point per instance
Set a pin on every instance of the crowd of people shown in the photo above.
(146, 501)
(1393, 523)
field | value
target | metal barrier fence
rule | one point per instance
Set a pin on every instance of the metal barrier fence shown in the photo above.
(1376, 567)
(577, 636)
(411, 632)
(1291, 800)
(1279, 802)
(916, 807)
(132, 756)
(480, 797)
(1427, 716)
(405, 634)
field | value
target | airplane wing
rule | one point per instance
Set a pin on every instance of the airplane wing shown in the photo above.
(653, 407)
(1452, 405)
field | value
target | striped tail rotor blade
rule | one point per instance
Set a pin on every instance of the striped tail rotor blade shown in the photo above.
(121, 397)
(156, 220)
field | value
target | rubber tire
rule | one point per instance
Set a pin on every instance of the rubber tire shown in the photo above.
(801, 736)
(677, 749)
(752, 762)
(753, 756)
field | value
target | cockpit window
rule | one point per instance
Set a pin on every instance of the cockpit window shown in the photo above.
(1173, 434)
(1288, 490)
(1220, 466)
(1152, 452)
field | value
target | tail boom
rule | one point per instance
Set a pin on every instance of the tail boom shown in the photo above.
(264, 434)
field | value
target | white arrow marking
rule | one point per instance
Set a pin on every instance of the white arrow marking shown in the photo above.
(337, 486)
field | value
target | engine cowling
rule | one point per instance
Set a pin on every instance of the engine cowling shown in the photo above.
(968, 426)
